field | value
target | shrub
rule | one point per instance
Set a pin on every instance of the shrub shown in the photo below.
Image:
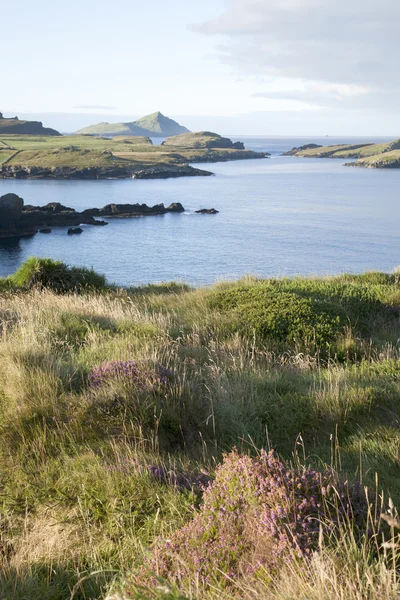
(57, 276)
(309, 315)
(273, 313)
(257, 514)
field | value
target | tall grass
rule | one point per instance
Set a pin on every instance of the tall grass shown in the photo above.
(91, 478)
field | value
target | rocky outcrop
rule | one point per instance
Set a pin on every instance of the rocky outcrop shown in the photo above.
(206, 211)
(74, 230)
(17, 220)
(175, 207)
(11, 207)
(114, 171)
(122, 211)
(295, 150)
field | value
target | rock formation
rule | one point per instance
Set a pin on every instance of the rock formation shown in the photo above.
(17, 220)
(207, 211)
(295, 150)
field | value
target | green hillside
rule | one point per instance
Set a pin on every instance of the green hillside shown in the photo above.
(374, 156)
(81, 156)
(158, 123)
(155, 125)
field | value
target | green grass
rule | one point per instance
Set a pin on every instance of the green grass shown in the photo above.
(310, 367)
(85, 151)
(369, 155)
(4, 155)
(387, 159)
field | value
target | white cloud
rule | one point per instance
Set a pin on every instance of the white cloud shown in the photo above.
(334, 52)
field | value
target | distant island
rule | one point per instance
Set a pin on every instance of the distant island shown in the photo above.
(98, 157)
(153, 125)
(372, 156)
(16, 126)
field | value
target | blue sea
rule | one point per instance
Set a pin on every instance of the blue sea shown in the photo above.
(278, 216)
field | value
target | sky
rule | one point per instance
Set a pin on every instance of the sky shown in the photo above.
(255, 67)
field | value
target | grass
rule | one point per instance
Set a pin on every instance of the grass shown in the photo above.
(390, 159)
(4, 155)
(369, 155)
(85, 151)
(82, 501)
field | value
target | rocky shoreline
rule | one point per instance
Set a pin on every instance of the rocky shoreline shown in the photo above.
(20, 220)
(114, 171)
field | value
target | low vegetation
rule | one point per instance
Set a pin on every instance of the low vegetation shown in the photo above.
(83, 152)
(237, 441)
(386, 155)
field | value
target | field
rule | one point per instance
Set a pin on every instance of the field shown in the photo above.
(85, 152)
(116, 409)
(4, 155)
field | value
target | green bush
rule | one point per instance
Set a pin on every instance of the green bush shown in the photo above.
(57, 276)
(306, 315)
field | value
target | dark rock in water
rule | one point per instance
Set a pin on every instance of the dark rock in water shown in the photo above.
(206, 211)
(175, 207)
(131, 210)
(17, 220)
(91, 212)
(11, 207)
(295, 150)
(74, 230)
(12, 204)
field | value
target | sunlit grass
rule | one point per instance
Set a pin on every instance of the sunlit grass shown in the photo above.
(80, 506)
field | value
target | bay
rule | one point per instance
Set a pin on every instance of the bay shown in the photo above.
(278, 216)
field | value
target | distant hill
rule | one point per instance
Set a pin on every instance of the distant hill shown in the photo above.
(154, 125)
(15, 126)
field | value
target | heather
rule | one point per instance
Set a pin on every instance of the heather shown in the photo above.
(120, 410)
(258, 513)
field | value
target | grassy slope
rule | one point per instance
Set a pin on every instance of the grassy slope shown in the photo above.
(86, 151)
(76, 492)
(114, 129)
(383, 160)
(4, 155)
(369, 155)
(159, 124)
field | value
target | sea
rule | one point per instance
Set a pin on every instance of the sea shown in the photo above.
(281, 216)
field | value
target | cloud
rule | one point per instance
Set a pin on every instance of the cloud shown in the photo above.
(95, 107)
(351, 44)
